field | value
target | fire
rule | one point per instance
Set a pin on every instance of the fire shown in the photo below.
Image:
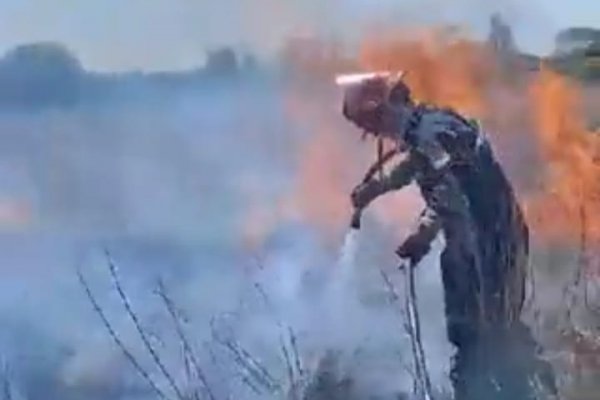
(569, 204)
(545, 134)
(329, 157)
(537, 127)
(447, 72)
(331, 160)
(321, 192)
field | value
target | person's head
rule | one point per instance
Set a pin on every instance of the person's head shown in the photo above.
(377, 105)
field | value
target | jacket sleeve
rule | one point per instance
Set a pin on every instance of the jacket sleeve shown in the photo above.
(402, 175)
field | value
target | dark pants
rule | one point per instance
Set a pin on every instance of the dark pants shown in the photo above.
(483, 275)
(503, 364)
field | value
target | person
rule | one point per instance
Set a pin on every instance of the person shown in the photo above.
(469, 200)
(433, 139)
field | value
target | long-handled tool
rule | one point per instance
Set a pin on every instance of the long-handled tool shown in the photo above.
(377, 168)
(413, 326)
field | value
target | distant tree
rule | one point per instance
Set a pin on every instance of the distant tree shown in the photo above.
(575, 39)
(501, 37)
(39, 74)
(249, 63)
(507, 57)
(222, 62)
(578, 53)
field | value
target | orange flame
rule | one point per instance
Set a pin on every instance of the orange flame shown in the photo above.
(329, 157)
(570, 201)
(539, 131)
(448, 72)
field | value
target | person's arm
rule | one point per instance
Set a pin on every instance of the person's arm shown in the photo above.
(401, 176)
(418, 244)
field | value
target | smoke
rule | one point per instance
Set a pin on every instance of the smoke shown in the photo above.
(229, 193)
(166, 191)
(217, 192)
(157, 186)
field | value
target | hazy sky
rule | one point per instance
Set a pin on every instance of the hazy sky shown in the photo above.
(167, 34)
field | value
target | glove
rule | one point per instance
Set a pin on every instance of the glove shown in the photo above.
(364, 193)
(414, 249)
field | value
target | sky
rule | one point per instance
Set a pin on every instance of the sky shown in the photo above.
(174, 34)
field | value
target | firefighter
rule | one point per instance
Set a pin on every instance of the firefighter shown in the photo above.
(471, 202)
(433, 139)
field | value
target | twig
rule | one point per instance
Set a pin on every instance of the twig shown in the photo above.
(289, 368)
(412, 327)
(188, 375)
(297, 364)
(224, 379)
(155, 357)
(297, 360)
(249, 383)
(394, 296)
(184, 341)
(256, 368)
(245, 360)
(113, 334)
(412, 313)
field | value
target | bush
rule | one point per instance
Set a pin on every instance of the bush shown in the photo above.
(40, 74)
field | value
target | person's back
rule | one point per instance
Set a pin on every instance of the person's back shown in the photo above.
(484, 296)
(460, 261)
(501, 231)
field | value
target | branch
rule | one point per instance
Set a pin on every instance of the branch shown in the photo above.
(113, 334)
(246, 361)
(412, 312)
(289, 368)
(412, 327)
(155, 357)
(184, 341)
(297, 363)
(297, 360)
(394, 296)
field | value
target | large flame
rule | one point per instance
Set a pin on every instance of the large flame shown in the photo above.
(569, 204)
(537, 126)
(451, 72)
(329, 157)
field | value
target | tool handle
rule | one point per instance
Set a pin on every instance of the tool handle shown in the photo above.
(376, 167)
